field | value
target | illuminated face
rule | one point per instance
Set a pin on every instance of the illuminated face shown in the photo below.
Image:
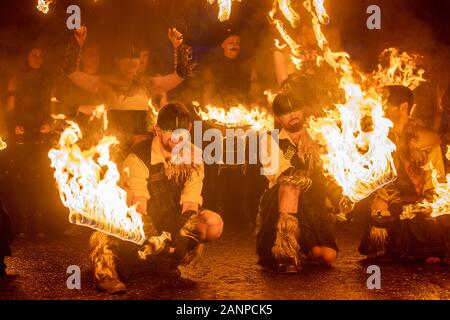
(397, 113)
(143, 61)
(35, 58)
(90, 58)
(128, 67)
(293, 121)
(232, 47)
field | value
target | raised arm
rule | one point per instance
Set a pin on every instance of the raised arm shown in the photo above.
(88, 82)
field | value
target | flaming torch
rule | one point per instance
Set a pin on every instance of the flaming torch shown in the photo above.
(88, 185)
(238, 116)
(402, 70)
(3, 144)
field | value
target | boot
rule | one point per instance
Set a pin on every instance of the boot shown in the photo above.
(106, 278)
(110, 285)
(286, 249)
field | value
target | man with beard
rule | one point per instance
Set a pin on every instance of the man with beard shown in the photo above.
(168, 194)
(389, 232)
(293, 217)
(231, 79)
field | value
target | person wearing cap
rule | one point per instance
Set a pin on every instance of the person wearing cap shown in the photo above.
(126, 93)
(388, 233)
(230, 78)
(293, 217)
(168, 195)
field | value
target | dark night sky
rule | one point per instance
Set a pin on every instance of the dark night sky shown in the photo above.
(422, 25)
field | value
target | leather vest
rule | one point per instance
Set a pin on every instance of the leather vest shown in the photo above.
(165, 193)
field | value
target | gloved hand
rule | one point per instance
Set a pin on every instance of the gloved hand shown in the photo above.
(184, 61)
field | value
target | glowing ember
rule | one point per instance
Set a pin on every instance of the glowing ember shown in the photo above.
(239, 116)
(3, 144)
(224, 8)
(441, 201)
(44, 6)
(402, 70)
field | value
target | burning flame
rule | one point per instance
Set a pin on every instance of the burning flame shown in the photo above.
(224, 8)
(44, 6)
(402, 70)
(289, 13)
(238, 116)
(441, 201)
(88, 186)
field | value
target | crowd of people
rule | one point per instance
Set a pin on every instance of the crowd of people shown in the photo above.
(297, 210)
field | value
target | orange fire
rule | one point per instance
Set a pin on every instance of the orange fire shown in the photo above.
(402, 70)
(358, 152)
(44, 6)
(238, 116)
(224, 8)
(289, 13)
(88, 185)
(440, 205)
(3, 144)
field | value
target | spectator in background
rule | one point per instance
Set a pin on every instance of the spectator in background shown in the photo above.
(231, 78)
(28, 106)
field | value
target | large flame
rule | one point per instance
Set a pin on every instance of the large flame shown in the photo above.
(224, 8)
(44, 6)
(289, 13)
(440, 205)
(238, 116)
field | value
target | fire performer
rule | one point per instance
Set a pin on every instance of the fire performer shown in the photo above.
(293, 216)
(168, 195)
(127, 92)
(418, 148)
